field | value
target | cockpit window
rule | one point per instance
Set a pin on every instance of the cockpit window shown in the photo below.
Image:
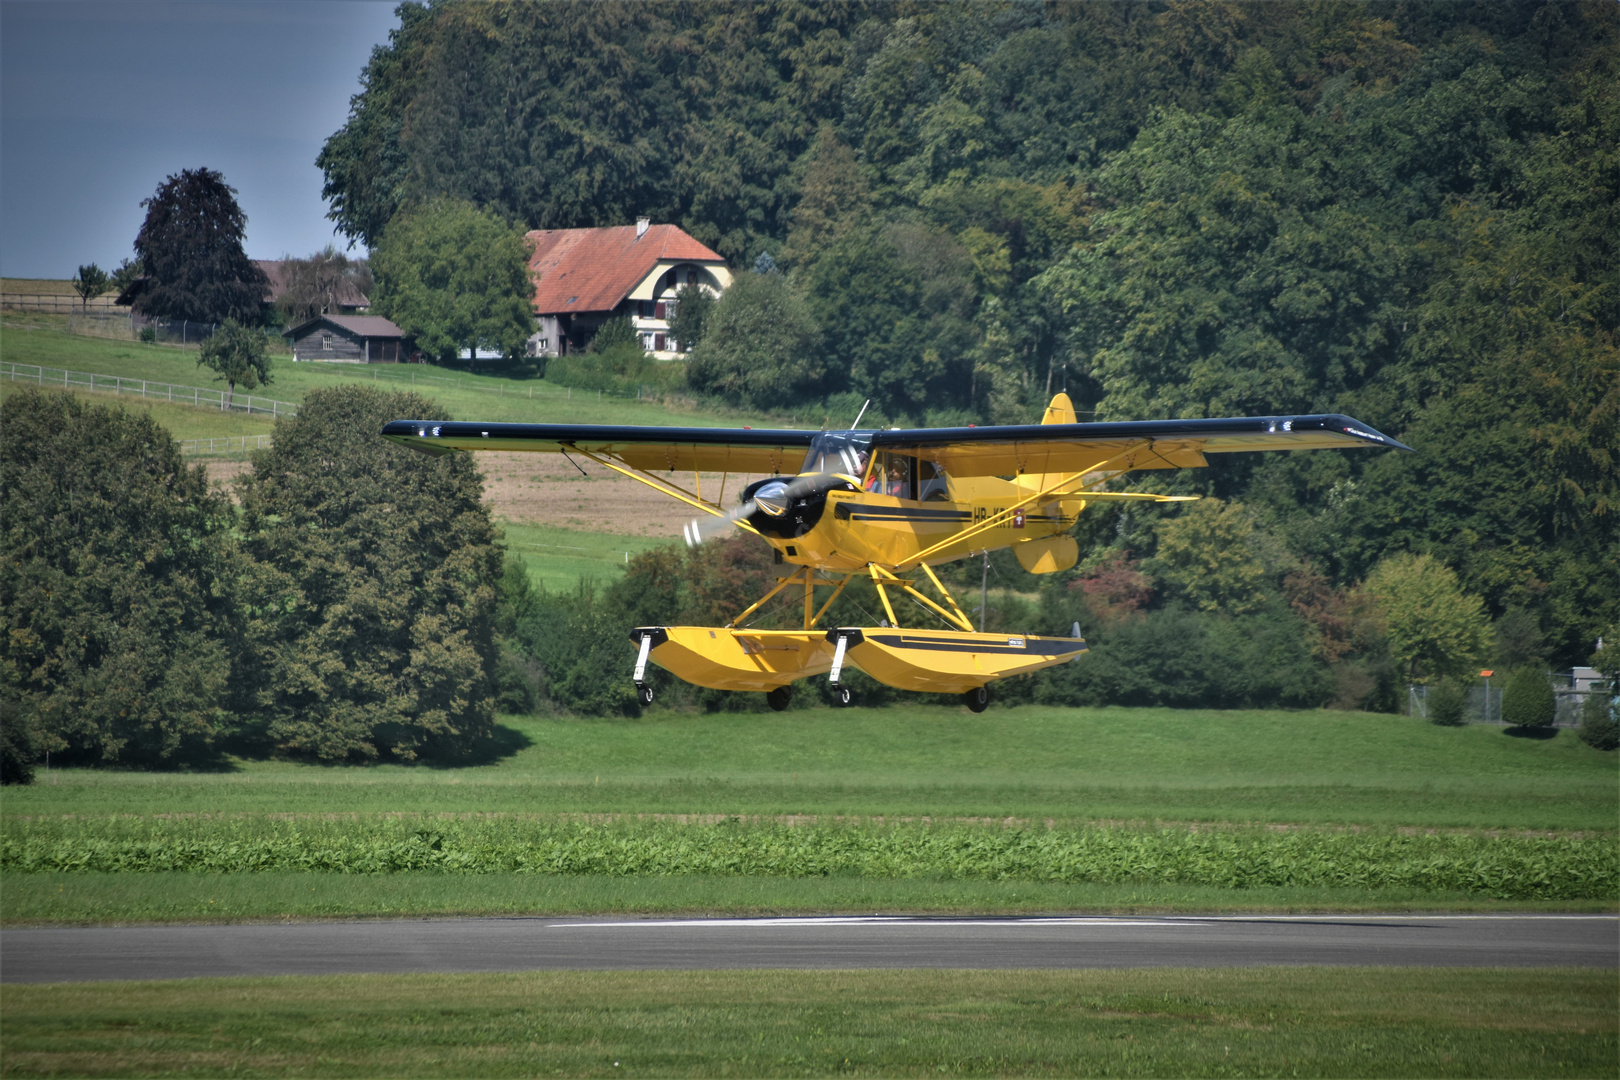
(839, 452)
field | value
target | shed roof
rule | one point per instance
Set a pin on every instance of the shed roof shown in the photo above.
(577, 270)
(371, 326)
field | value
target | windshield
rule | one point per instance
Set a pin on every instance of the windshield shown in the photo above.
(838, 452)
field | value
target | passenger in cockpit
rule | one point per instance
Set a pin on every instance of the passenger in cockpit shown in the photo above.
(899, 479)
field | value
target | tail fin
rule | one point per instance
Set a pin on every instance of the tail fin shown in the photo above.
(1061, 411)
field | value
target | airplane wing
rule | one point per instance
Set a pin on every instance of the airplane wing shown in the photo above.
(650, 449)
(1120, 447)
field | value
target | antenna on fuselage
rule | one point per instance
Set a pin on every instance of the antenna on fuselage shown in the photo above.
(860, 414)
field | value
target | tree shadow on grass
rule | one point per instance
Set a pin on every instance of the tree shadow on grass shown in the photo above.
(1541, 733)
(503, 743)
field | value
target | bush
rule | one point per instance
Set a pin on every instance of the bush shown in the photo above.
(1598, 727)
(1528, 700)
(19, 743)
(372, 605)
(1188, 659)
(114, 607)
(625, 372)
(1447, 703)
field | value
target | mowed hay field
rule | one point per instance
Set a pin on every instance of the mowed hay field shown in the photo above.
(907, 808)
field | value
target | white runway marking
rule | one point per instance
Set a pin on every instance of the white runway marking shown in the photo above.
(1171, 921)
(871, 920)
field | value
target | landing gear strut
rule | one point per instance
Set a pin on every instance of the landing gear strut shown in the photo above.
(977, 698)
(778, 697)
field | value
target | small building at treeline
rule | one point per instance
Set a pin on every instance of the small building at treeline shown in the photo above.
(348, 339)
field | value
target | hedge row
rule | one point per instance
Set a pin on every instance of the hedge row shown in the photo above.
(1547, 868)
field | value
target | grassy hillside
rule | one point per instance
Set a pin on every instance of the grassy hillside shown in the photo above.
(466, 395)
(183, 421)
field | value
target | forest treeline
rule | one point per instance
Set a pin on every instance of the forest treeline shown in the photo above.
(1402, 211)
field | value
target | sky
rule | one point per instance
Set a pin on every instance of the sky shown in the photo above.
(100, 101)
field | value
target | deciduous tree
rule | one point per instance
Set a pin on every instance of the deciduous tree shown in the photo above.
(190, 246)
(1433, 627)
(1207, 555)
(455, 277)
(1528, 700)
(88, 282)
(321, 283)
(371, 613)
(114, 609)
(694, 305)
(761, 346)
(239, 354)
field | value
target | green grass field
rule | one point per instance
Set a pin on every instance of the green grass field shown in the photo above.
(558, 559)
(1117, 809)
(38, 286)
(183, 421)
(468, 396)
(1108, 764)
(1168, 1022)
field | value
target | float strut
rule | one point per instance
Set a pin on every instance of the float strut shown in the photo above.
(641, 659)
(838, 659)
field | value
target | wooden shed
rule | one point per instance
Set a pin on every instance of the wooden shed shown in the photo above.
(348, 339)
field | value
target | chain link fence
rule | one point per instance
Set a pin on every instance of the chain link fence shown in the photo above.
(120, 324)
(1484, 703)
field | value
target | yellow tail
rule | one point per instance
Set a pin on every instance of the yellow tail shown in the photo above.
(1061, 411)
(1057, 552)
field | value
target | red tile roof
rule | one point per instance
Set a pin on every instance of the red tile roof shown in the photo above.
(593, 269)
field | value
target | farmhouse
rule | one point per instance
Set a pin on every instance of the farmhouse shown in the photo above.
(348, 339)
(584, 277)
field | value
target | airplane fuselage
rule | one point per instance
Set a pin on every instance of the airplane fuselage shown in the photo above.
(854, 528)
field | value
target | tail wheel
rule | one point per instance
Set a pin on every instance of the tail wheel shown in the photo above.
(778, 697)
(644, 694)
(842, 697)
(977, 698)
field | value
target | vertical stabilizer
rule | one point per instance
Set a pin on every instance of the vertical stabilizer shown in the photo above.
(1061, 411)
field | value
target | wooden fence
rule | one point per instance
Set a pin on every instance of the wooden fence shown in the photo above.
(225, 444)
(59, 303)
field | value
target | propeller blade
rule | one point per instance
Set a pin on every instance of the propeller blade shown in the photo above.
(705, 529)
(774, 502)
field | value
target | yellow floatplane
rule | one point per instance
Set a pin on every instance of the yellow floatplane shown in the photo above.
(887, 506)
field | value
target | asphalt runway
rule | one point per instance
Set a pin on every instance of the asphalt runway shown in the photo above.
(529, 944)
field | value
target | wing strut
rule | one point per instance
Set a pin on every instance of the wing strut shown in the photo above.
(663, 487)
(994, 520)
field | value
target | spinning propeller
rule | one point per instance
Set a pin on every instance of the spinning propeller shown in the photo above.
(775, 497)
